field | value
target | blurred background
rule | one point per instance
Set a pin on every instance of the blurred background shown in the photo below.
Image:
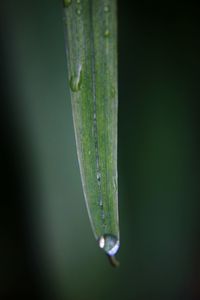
(47, 249)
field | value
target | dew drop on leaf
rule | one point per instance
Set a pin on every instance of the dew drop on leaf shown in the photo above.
(106, 8)
(76, 80)
(113, 92)
(106, 33)
(115, 183)
(67, 3)
(98, 176)
(78, 11)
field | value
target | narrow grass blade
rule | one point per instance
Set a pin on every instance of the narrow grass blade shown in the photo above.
(91, 45)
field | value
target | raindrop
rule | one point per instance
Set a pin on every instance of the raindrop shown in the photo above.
(115, 183)
(109, 243)
(106, 33)
(98, 176)
(113, 92)
(102, 215)
(67, 3)
(78, 11)
(76, 80)
(106, 8)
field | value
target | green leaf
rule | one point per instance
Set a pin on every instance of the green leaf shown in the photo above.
(91, 46)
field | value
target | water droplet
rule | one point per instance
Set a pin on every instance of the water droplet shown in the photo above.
(76, 80)
(100, 202)
(115, 183)
(78, 11)
(98, 176)
(106, 8)
(106, 33)
(67, 3)
(109, 243)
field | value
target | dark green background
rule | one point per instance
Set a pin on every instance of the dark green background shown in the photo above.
(47, 250)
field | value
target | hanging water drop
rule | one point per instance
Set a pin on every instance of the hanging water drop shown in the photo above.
(67, 3)
(76, 80)
(109, 243)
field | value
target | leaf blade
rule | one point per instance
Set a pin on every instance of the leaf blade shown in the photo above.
(91, 30)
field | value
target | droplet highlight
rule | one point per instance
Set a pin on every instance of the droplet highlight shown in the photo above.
(109, 243)
(76, 80)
